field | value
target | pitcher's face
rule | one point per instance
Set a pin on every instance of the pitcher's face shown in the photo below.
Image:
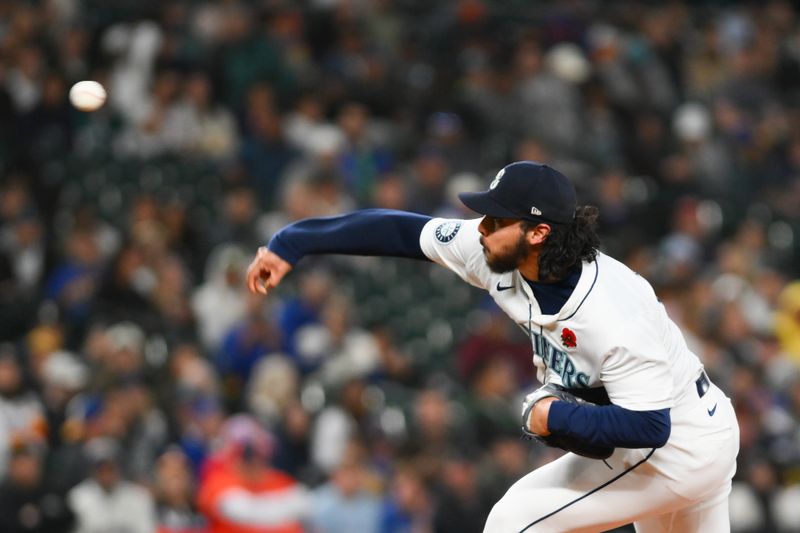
(504, 243)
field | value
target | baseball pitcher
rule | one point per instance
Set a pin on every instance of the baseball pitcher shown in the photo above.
(652, 440)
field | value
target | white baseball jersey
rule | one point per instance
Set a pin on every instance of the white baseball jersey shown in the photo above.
(612, 331)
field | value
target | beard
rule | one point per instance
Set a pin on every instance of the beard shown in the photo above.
(508, 259)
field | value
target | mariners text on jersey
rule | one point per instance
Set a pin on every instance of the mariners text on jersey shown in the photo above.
(559, 362)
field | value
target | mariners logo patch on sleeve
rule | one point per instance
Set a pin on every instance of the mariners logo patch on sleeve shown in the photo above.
(446, 231)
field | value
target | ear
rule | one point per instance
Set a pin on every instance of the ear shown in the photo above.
(537, 234)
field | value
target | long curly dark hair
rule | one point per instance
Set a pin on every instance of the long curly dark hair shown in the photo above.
(568, 245)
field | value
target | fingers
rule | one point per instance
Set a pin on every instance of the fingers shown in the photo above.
(249, 279)
(262, 278)
(272, 278)
(261, 284)
(256, 277)
(266, 271)
(252, 278)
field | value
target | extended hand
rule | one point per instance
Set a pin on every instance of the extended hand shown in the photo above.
(266, 271)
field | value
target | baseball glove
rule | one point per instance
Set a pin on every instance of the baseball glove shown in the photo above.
(560, 441)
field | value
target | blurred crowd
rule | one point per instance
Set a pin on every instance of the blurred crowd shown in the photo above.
(142, 389)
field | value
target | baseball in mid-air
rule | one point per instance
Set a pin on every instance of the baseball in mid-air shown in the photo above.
(87, 95)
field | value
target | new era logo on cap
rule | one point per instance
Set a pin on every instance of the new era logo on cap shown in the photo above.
(526, 190)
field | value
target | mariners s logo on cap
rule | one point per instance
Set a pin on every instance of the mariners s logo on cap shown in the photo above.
(496, 179)
(446, 231)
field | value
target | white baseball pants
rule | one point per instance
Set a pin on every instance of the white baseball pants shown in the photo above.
(681, 487)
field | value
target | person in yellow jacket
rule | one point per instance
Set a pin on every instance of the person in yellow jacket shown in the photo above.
(787, 320)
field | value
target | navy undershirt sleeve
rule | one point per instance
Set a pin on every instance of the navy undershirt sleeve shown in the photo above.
(383, 232)
(610, 425)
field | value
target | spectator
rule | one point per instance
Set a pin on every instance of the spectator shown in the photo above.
(250, 57)
(24, 80)
(154, 126)
(22, 417)
(304, 309)
(408, 507)
(240, 491)
(293, 432)
(237, 220)
(175, 496)
(306, 125)
(265, 154)
(27, 504)
(106, 501)
(429, 176)
(435, 431)
(459, 506)
(335, 350)
(363, 159)
(247, 342)
(62, 378)
(787, 323)
(507, 460)
(345, 503)
(23, 258)
(201, 126)
(492, 386)
(337, 425)
(46, 130)
(199, 420)
(73, 283)
(273, 387)
(22, 238)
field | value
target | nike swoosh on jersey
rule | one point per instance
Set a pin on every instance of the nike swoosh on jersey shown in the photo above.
(712, 410)
(499, 288)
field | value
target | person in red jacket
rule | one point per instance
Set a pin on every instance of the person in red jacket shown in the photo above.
(241, 493)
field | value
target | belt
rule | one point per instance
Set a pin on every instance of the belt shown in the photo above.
(702, 384)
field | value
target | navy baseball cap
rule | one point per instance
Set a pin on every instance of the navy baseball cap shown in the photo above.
(526, 190)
